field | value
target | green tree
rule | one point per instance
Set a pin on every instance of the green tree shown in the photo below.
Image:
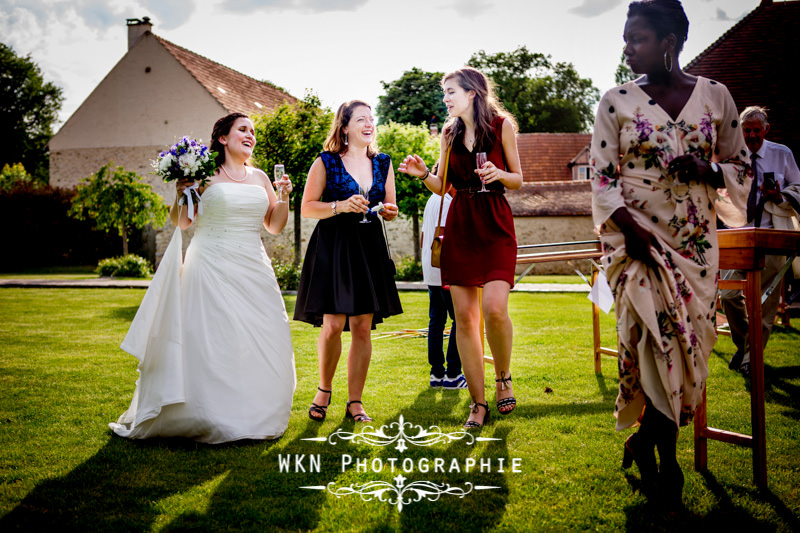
(542, 95)
(623, 73)
(29, 108)
(15, 176)
(414, 98)
(118, 199)
(398, 141)
(292, 134)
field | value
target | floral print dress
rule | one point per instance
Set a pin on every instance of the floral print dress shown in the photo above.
(665, 319)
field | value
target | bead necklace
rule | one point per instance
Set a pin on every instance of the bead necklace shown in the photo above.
(231, 177)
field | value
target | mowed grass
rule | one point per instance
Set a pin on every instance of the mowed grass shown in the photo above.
(63, 378)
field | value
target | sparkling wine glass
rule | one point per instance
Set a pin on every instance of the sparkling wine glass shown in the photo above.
(278, 173)
(364, 191)
(480, 160)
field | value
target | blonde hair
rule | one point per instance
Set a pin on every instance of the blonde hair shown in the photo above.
(485, 107)
(336, 141)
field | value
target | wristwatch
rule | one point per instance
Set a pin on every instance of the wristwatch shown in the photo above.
(333, 208)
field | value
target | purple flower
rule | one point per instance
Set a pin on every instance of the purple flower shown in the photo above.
(643, 127)
(705, 126)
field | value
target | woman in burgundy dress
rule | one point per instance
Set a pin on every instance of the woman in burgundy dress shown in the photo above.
(479, 248)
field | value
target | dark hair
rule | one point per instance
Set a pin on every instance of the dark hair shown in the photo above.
(665, 17)
(336, 141)
(485, 107)
(222, 127)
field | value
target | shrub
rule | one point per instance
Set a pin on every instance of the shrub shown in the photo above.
(286, 273)
(126, 266)
(44, 212)
(408, 269)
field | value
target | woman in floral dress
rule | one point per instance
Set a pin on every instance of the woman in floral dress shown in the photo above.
(664, 148)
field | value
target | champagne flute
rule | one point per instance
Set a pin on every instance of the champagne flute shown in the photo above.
(278, 173)
(364, 191)
(480, 160)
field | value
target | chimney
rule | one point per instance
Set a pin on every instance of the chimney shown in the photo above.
(137, 28)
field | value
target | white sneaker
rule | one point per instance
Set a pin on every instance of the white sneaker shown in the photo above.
(458, 382)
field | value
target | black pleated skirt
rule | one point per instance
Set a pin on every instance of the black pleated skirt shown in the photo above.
(347, 270)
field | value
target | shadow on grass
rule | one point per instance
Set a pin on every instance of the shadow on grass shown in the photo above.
(727, 516)
(123, 313)
(779, 389)
(116, 488)
(128, 485)
(608, 394)
(478, 509)
(643, 515)
(256, 495)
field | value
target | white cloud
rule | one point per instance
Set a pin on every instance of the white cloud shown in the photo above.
(594, 8)
(305, 6)
(169, 14)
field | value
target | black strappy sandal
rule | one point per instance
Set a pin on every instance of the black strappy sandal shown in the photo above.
(321, 409)
(505, 402)
(471, 424)
(360, 417)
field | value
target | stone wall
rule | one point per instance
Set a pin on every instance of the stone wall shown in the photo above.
(68, 167)
(551, 229)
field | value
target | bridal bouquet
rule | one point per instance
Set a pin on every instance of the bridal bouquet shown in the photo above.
(187, 159)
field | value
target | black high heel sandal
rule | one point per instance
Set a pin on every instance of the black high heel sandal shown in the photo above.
(321, 409)
(360, 417)
(505, 402)
(471, 424)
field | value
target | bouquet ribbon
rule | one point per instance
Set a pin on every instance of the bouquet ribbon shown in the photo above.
(189, 193)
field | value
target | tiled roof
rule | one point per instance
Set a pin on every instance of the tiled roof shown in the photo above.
(757, 59)
(546, 156)
(235, 91)
(557, 198)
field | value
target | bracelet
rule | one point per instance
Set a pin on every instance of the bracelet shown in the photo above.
(333, 208)
(423, 178)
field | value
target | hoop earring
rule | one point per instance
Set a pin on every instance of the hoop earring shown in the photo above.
(671, 61)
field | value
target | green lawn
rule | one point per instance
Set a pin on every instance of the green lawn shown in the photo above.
(63, 378)
(75, 272)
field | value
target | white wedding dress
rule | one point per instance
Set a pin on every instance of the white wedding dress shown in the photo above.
(212, 337)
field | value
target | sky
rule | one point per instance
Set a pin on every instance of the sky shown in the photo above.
(339, 49)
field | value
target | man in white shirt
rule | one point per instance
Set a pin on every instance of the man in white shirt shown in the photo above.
(774, 202)
(440, 304)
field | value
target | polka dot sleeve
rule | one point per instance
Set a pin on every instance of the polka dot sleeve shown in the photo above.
(605, 154)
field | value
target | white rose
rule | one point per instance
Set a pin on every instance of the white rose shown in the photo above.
(165, 163)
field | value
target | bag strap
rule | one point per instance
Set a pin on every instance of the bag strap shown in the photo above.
(444, 190)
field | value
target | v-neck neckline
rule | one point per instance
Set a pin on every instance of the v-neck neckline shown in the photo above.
(352, 177)
(677, 118)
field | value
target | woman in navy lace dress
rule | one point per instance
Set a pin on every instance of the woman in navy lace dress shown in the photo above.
(348, 276)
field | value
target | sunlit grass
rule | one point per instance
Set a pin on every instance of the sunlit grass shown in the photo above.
(63, 378)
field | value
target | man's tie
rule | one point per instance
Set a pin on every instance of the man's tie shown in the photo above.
(753, 197)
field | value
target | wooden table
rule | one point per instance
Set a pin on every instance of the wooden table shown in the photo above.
(744, 249)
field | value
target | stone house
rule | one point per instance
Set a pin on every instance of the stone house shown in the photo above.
(555, 201)
(155, 94)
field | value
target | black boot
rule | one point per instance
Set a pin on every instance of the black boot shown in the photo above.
(640, 447)
(670, 475)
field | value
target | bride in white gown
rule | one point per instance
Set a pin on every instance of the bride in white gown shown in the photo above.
(212, 333)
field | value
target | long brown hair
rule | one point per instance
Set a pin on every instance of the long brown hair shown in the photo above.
(336, 141)
(222, 127)
(485, 107)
